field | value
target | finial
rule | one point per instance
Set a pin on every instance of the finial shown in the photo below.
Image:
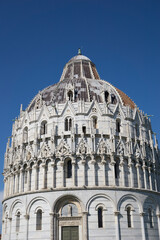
(79, 51)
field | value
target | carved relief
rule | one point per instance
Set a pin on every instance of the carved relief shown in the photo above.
(44, 151)
(120, 149)
(63, 148)
(103, 147)
(83, 147)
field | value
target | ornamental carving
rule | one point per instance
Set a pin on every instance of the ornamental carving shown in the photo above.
(63, 148)
(137, 151)
(103, 147)
(44, 151)
(83, 147)
(120, 148)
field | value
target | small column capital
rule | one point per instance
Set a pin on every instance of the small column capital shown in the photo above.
(116, 213)
(26, 216)
(141, 214)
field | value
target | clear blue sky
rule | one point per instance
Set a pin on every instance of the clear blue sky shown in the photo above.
(37, 38)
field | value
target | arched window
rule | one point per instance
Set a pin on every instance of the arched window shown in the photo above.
(70, 95)
(129, 220)
(25, 134)
(106, 95)
(39, 220)
(116, 169)
(18, 222)
(150, 216)
(113, 99)
(43, 127)
(68, 124)
(118, 125)
(100, 217)
(94, 120)
(84, 129)
(69, 169)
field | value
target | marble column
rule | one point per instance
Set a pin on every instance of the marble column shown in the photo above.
(104, 170)
(112, 163)
(155, 179)
(131, 172)
(62, 172)
(52, 226)
(16, 182)
(27, 223)
(93, 162)
(53, 174)
(117, 225)
(84, 171)
(43, 166)
(55, 227)
(158, 221)
(35, 176)
(74, 172)
(122, 171)
(21, 180)
(138, 175)
(145, 177)
(150, 178)
(142, 226)
(5, 193)
(84, 227)
(28, 179)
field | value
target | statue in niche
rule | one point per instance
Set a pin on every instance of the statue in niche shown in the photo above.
(120, 149)
(28, 157)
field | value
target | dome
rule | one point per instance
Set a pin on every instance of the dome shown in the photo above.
(80, 77)
(81, 164)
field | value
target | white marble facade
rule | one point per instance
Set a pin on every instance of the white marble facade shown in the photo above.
(82, 154)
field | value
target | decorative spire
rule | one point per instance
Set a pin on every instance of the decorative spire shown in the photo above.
(79, 51)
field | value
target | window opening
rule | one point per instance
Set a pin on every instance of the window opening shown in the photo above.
(70, 124)
(18, 222)
(106, 95)
(43, 127)
(118, 125)
(69, 169)
(100, 217)
(129, 217)
(94, 122)
(70, 95)
(84, 129)
(66, 124)
(113, 99)
(39, 220)
(150, 218)
(116, 169)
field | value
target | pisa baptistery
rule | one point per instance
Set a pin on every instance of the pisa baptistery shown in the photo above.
(82, 164)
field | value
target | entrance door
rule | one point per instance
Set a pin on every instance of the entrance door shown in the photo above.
(70, 233)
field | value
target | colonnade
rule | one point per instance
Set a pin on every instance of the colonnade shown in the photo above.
(34, 176)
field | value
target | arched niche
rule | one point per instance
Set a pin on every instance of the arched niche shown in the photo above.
(69, 218)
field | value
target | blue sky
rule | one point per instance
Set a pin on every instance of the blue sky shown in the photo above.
(37, 38)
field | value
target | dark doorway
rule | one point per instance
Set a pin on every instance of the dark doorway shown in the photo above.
(70, 233)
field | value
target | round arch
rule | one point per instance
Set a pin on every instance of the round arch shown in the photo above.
(127, 196)
(97, 196)
(34, 200)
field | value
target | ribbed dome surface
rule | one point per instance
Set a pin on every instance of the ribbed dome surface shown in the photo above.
(81, 77)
